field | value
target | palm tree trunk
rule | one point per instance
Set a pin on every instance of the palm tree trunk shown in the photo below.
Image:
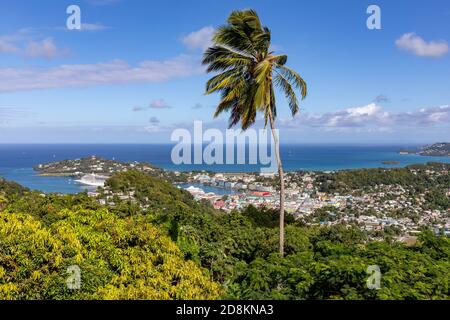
(281, 176)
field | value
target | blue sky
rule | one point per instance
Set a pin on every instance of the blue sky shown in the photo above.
(133, 73)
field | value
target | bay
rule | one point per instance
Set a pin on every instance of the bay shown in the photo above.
(17, 160)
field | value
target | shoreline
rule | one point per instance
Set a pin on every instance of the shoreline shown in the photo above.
(383, 164)
(66, 175)
(17, 163)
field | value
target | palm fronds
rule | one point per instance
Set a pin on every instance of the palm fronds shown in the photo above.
(247, 71)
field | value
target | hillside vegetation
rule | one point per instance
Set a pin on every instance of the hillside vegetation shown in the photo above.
(165, 245)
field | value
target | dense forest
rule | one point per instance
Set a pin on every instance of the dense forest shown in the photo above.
(165, 245)
(413, 175)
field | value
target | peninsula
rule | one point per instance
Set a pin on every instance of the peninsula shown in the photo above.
(90, 165)
(441, 149)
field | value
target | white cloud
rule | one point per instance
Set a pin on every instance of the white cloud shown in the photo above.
(10, 43)
(424, 117)
(351, 117)
(155, 104)
(6, 47)
(414, 44)
(200, 39)
(159, 104)
(370, 118)
(44, 49)
(30, 43)
(104, 73)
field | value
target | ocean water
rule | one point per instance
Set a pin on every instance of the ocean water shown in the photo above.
(17, 161)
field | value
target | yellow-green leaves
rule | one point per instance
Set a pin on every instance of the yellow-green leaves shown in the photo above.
(119, 258)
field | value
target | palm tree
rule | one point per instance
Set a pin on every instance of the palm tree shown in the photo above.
(247, 72)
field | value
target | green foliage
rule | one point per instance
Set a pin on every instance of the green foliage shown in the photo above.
(249, 71)
(346, 180)
(119, 259)
(437, 199)
(328, 268)
(159, 197)
(10, 188)
(264, 217)
(415, 179)
(165, 245)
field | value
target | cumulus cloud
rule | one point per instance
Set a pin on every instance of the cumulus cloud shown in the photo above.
(371, 117)
(30, 43)
(44, 49)
(103, 73)
(424, 117)
(414, 44)
(351, 117)
(159, 104)
(200, 39)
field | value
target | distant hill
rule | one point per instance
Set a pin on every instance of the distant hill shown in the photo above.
(441, 149)
(11, 188)
(437, 149)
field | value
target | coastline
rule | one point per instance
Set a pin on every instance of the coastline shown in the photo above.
(17, 161)
(56, 175)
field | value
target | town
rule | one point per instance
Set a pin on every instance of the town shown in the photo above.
(379, 208)
(419, 199)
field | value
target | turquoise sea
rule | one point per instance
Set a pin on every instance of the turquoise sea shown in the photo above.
(17, 161)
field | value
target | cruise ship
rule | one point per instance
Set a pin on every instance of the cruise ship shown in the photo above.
(93, 180)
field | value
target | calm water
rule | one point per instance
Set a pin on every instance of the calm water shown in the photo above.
(16, 161)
